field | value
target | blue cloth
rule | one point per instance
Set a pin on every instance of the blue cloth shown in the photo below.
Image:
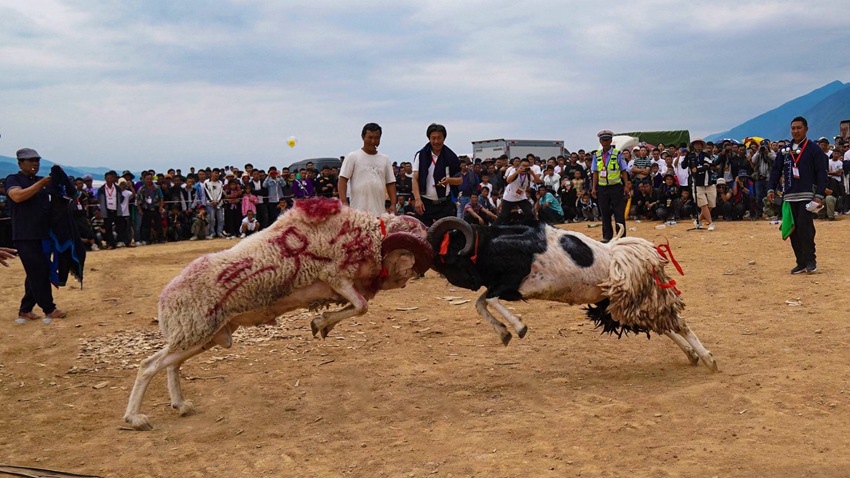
(553, 203)
(446, 159)
(64, 248)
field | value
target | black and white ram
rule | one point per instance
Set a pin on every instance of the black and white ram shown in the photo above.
(624, 279)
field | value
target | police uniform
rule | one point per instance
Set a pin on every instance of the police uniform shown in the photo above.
(611, 176)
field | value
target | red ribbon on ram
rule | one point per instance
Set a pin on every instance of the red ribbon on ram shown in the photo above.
(661, 248)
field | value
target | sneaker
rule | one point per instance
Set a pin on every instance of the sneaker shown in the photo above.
(798, 270)
(696, 224)
(119, 245)
(242, 236)
(811, 268)
(711, 227)
(193, 238)
(210, 237)
(94, 247)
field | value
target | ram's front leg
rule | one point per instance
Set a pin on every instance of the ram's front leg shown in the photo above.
(358, 305)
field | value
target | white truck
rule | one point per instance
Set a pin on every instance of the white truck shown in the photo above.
(513, 148)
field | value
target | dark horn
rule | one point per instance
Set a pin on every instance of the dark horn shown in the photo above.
(446, 224)
(421, 249)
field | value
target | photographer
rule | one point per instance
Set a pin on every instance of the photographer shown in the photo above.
(702, 168)
(516, 192)
(761, 162)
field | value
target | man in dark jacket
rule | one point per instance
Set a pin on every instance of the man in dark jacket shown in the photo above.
(30, 227)
(803, 167)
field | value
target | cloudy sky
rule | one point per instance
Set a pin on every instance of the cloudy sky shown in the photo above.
(157, 83)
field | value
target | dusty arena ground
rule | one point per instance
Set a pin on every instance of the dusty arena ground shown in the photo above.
(432, 392)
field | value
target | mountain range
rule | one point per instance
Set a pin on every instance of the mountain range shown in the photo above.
(10, 166)
(824, 109)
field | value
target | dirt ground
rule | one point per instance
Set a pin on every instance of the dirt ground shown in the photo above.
(432, 392)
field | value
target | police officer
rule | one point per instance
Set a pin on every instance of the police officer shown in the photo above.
(30, 226)
(610, 184)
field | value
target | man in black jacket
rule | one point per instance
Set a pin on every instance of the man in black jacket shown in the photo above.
(803, 166)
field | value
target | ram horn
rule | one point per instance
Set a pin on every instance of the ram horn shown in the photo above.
(420, 248)
(446, 224)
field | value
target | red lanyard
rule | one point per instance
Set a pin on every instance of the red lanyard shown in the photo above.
(606, 156)
(802, 149)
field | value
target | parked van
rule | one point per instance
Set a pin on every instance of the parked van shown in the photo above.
(318, 163)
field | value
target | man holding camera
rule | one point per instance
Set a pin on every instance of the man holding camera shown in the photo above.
(516, 192)
(803, 167)
(703, 182)
(761, 162)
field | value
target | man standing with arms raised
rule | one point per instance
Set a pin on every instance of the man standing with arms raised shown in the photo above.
(370, 174)
(610, 184)
(803, 167)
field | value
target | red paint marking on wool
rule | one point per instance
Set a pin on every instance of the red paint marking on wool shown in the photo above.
(233, 271)
(357, 247)
(226, 296)
(318, 208)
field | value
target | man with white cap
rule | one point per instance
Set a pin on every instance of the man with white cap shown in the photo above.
(610, 184)
(703, 182)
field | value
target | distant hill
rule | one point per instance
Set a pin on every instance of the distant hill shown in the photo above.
(10, 166)
(823, 108)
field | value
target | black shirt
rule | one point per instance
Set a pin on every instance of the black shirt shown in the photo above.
(30, 218)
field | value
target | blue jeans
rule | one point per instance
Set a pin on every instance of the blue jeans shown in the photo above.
(760, 186)
(463, 201)
(215, 216)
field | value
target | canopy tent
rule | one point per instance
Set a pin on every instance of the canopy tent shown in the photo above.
(667, 138)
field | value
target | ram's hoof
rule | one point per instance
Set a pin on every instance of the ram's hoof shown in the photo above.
(506, 339)
(521, 332)
(314, 328)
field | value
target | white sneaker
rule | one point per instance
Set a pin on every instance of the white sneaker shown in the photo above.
(210, 237)
(94, 247)
(242, 236)
(711, 227)
(119, 245)
(193, 238)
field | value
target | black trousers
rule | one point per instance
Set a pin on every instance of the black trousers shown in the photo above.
(122, 227)
(262, 214)
(152, 219)
(612, 202)
(435, 210)
(803, 237)
(508, 207)
(37, 284)
(109, 225)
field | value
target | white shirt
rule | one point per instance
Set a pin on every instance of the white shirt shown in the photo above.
(368, 176)
(847, 156)
(125, 207)
(682, 170)
(552, 182)
(111, 197)
(214, 191)
(252, 225)
(512, 190)
(430, 186)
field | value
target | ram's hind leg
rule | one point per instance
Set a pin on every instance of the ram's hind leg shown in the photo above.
(147, 369)
(693, 340)
(520, 328)
(481, 307)
(683, 344)
(185, 407)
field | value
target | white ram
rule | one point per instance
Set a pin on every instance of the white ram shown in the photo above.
(317, 254)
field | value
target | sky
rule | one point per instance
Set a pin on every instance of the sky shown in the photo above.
(159, 84)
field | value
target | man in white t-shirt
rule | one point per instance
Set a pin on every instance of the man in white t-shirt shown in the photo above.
(516, 193)
(369, 173)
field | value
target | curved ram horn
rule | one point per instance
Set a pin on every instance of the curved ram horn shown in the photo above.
(421, 249)
(446, 224)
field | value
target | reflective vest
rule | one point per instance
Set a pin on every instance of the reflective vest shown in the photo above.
(612, 173)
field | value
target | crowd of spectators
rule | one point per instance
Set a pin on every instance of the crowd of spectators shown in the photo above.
(233, 203)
